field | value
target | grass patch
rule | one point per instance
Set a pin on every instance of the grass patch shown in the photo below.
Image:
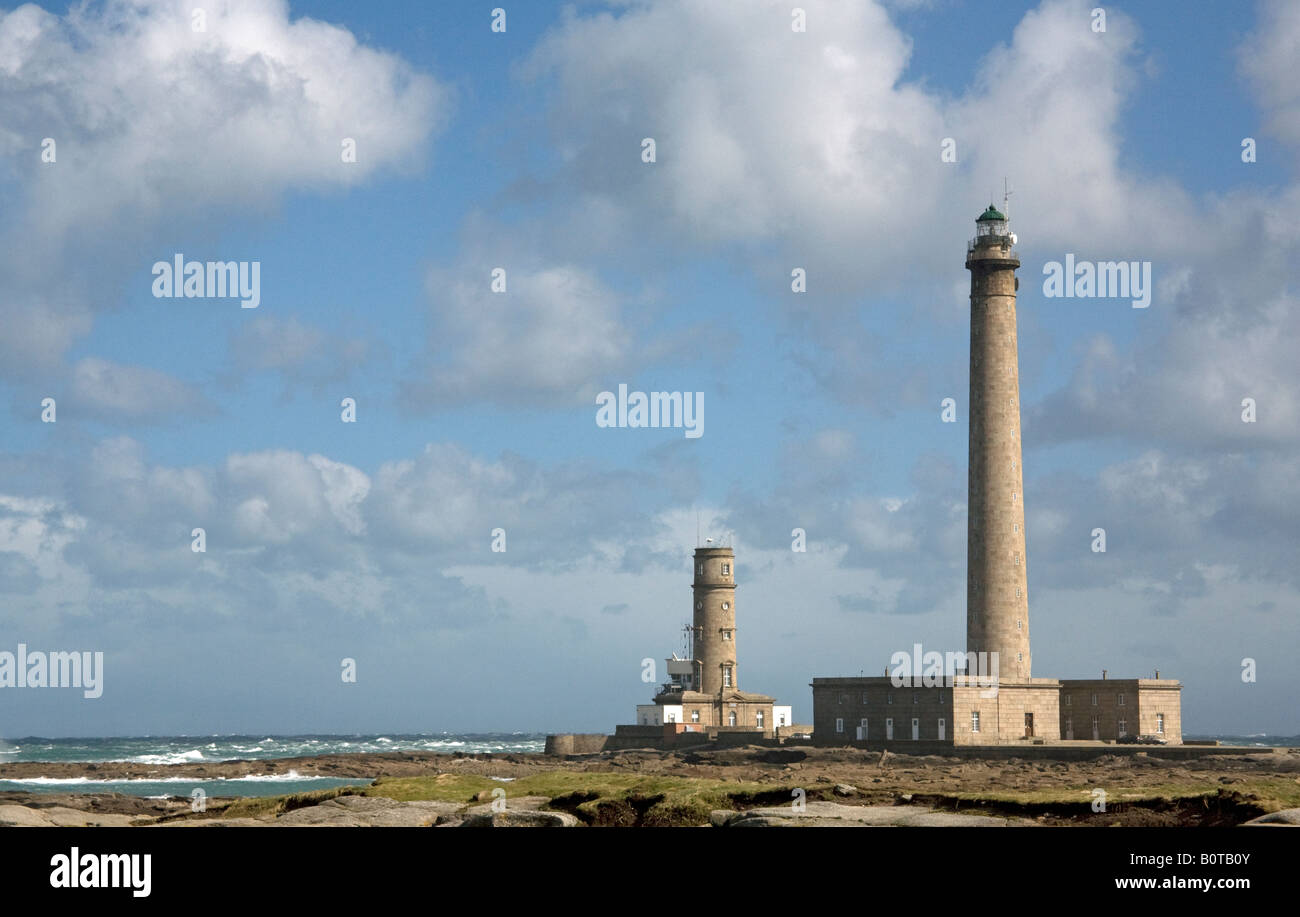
(601, 798)
(256, 806)
(1270, 793)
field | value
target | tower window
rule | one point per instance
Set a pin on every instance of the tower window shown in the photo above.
(726, 569)
(1017, 564)
(1020, 625)
(699, 605)
(1017, 592)
(726, 635)
(726, 605)
(1015, 527)
(1013, 496)
(1020, 657)
(699, 568)
(726, 676)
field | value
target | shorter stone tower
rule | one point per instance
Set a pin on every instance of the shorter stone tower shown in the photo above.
(702, 694)
(714, 634)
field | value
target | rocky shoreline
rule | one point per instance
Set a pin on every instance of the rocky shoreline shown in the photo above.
(744, 786)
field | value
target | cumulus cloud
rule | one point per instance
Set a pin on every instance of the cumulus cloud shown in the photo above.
(551, 337)
(156, 125)
(105, 390)
(303, 354)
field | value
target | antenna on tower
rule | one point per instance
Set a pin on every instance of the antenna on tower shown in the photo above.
(1006, 199)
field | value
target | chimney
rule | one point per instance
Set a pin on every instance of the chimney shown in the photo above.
(1103, 674)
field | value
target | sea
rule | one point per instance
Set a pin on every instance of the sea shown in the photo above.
(198, 749)
(201, 749)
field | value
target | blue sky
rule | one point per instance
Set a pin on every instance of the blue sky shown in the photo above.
(521, 150)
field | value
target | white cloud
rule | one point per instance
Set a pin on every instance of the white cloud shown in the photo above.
(555, 335)
(157, 126)
(105, 390)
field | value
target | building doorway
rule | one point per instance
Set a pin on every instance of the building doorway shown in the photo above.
(889, 729)
(1029, 725)
(916, 729)
(943, 730)
(1096, 730)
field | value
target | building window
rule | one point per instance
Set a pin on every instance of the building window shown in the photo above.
(726, 605)
(1017, 560)
(1020, 657)
(864, 697)
(758, 717)
(974, 721)
(889, 698)
(726, 635)
(839, 724)
(938, 696)
(1094, 700)
(726, 677)
(1123, 727)
(1020, 625)
(1160, 724)
(731, 718)
(844, 698)
(726, 569)
(1013, 496)
(780, 720)
(670, 718)
(916, 697)
(695, 716)
(699, 605)
(863, 723)
(1017, 592)
(1069, 700)
(1121, 700)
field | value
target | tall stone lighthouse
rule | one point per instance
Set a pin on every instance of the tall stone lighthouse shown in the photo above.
(997, 593)
(902, 707)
